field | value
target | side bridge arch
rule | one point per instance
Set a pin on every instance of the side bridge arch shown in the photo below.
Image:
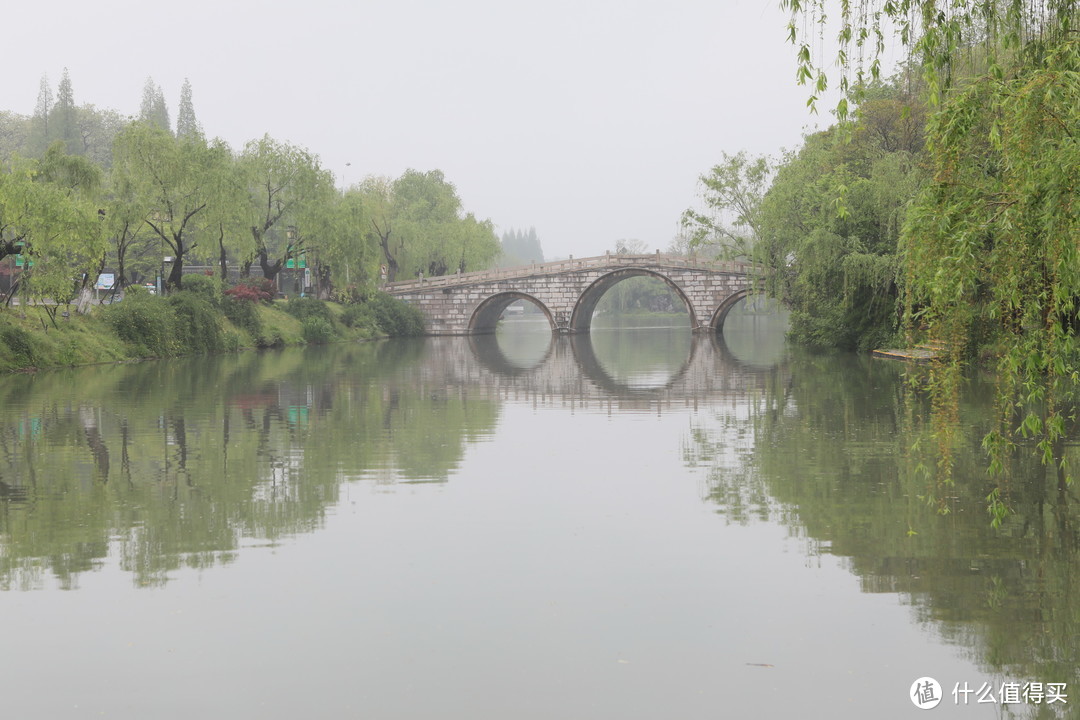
(486, 315)
(716, 323)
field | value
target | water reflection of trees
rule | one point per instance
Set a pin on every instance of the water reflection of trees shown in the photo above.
(178, 464)
(832, 453)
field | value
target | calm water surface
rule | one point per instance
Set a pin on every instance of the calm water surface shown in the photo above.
(632, 524)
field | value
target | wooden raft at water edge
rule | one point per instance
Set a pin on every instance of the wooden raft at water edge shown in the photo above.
(919, 353)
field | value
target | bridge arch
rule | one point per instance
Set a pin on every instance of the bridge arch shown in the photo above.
(487, 313)
(717, 323)
(581, 319)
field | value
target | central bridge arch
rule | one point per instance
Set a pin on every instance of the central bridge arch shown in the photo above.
(581, 319)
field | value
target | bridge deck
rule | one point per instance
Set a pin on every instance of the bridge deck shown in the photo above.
(561, 266)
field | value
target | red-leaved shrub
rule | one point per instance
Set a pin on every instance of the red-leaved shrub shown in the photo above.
(252, 290)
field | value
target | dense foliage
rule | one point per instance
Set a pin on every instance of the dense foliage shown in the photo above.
(989, 261)
(394, 317)
(824, 221)
(82, 193)
(145, 322)
(416, 223)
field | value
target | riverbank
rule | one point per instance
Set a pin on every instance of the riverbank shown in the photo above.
(186, 323)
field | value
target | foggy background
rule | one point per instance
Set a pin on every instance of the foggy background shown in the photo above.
(590, 121)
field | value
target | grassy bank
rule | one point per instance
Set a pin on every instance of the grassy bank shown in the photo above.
(201, 319)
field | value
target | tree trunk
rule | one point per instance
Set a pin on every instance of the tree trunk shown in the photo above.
(323, 286)
(270, 269)
(221, 256)
(391, 263)
(176, 275)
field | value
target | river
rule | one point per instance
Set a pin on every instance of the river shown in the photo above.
(636, 523)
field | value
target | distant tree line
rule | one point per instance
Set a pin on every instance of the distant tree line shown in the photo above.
(520, 247)
(83, 190)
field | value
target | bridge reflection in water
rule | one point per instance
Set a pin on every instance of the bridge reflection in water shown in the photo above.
(570, 372)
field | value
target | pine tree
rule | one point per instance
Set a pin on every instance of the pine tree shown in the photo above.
(153, 109)
(186, 124)
(63, 123)
(39, 129)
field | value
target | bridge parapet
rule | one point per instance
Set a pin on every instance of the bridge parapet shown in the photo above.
(569, 265)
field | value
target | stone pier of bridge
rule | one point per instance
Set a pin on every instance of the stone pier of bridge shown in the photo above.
(567, 291)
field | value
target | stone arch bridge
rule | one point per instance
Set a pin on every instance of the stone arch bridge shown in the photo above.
(567, 291)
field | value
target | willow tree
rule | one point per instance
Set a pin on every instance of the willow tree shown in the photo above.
(990, 247)
(172, 180)
(342, 255)
(416, 221)
(286, 187)
(48, 214)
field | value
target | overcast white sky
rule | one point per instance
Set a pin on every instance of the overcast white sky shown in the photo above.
(589, 120)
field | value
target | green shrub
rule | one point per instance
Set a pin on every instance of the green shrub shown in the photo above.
(207, 287)
(230, 340)
(273, 340)
(197, 324)
(396, 318)
(309, 307)
(21, 345)
(317, 331)
(143, 320)
(358, 316)
(242, 313)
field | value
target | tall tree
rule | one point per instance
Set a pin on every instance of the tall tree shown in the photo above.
(830, 223)
(344, 257)
(153, 109)
(39, 123)
(97, 130)
(63, 117)
(520, 247)
(226, 221)
(474, 245)
(48, 212)
(175, 179)
(992, 257)
(127, 231)
(416, 222)
(285, 182)
(14, 134)
(378, 206)
(186, 124)
(731, 220)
